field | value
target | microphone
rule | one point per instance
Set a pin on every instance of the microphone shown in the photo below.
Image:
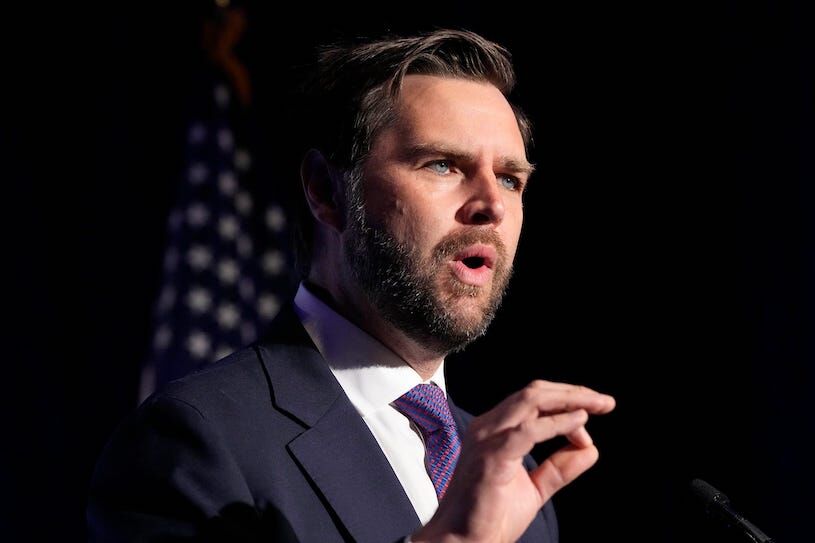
(717, 507)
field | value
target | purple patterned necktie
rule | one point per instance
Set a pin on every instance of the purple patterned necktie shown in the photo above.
(426, 405)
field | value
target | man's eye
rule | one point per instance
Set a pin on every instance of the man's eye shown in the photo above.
(509, 182)
(440, 166)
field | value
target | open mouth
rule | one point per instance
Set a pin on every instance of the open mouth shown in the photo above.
(474, 265)
(473, 262)
(477, 256)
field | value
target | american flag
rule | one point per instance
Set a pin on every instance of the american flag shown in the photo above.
(226, 265)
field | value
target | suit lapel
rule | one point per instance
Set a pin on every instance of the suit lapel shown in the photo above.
(344, 460)
(336, 451)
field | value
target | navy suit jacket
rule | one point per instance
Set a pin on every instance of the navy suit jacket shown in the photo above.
(262, 446)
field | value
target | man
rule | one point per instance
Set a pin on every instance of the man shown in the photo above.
(335, 426)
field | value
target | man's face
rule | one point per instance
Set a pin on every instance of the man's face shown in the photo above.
(435, 217)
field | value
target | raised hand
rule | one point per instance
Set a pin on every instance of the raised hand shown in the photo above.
(492, 497)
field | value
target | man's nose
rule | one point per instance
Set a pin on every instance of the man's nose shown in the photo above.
(485, 203)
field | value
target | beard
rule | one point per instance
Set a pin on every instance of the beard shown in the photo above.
(421, 296)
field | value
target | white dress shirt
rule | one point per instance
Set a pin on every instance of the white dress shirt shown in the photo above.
(372, 377)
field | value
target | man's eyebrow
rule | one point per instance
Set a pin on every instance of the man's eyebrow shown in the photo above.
(508, 163)
(516, 166)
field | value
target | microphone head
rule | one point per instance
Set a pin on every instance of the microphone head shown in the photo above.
(707, 494)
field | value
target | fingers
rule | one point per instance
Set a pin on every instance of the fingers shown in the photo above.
(518, 441)
(541, 398)
(580, 437)
(561, 468)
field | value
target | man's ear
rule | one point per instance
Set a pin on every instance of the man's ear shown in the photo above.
(323, 187)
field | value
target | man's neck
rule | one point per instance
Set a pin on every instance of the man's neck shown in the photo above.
(423, 360)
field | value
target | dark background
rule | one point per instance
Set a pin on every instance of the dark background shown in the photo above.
(667, 256)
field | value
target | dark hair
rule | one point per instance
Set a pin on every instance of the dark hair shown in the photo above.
(350, 95)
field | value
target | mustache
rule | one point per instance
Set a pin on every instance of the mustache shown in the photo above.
(454, 242)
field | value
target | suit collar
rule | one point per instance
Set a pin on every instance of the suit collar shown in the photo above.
(336, 450)
(301, 383)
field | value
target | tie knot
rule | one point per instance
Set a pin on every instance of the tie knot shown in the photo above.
(426, 405)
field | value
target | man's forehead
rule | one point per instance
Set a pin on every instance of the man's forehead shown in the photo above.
(434, 107)
(420, 91)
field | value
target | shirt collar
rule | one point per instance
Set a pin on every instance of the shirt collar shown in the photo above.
(371, 375)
